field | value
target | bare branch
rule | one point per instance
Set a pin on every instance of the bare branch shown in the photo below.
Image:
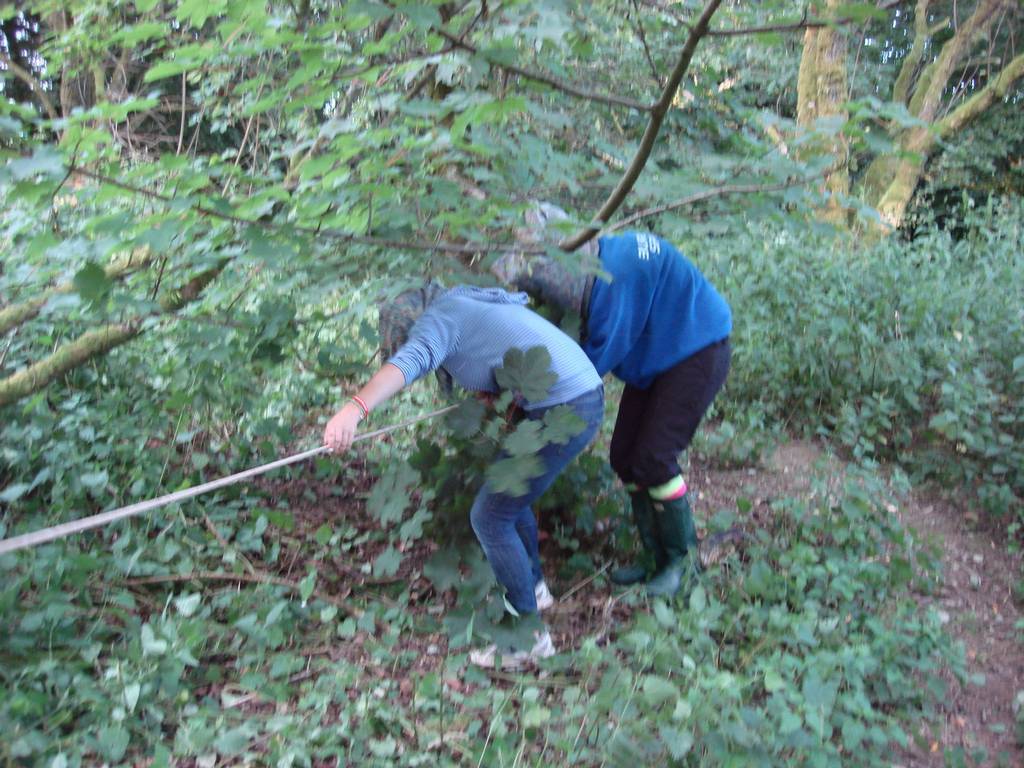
(647, 50)
(26, 77)
(795, 26)
(540, 77)
(658, 112)
(708, 194)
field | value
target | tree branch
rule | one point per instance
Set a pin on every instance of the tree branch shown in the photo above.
(643, 41)
(270, 226)
(901, 90)
(795, 26)
(983, 99)
(94, 343)
(708, 194)
(658, 112)
(26, 77)
(14, 315)
(540, 77)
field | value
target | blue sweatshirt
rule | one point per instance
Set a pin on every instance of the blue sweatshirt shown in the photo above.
(657, 310)
(468, 330)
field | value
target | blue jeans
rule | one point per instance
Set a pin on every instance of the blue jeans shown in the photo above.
(505, 525)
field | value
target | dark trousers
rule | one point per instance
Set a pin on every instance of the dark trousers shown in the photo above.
(656, 424)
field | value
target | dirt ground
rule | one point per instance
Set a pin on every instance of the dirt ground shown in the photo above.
(976, 595)
(976, 598)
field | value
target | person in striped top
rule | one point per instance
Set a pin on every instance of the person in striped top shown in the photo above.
(464, 334)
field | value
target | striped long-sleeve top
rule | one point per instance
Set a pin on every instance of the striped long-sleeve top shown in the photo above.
(468, 330)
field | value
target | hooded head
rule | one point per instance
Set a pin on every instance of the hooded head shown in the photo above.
(550, 280)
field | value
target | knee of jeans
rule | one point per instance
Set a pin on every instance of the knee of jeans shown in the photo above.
(480, 518)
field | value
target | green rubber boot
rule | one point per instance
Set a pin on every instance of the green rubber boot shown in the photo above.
(677, 534)
(643, 516)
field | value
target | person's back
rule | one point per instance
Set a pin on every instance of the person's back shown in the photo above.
(656, 310)
(468, 331)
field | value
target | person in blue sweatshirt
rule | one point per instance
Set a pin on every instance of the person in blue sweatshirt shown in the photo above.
(464, 332)
(659, 325)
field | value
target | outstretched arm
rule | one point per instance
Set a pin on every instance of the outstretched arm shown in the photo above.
(341, 429)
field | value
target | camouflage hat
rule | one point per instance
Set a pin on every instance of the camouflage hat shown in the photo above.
(397, 316)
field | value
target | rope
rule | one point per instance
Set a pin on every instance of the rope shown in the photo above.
(35, 538)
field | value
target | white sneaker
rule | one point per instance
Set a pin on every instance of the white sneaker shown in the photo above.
(542, 649)
(544, 597)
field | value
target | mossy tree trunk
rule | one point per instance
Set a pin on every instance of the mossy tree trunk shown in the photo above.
(96, 343)
(890, 180)
(821, 93)
(922, 85)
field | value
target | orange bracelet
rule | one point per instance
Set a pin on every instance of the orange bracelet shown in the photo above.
(361, 404)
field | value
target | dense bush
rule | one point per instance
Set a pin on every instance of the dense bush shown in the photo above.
(906, 351)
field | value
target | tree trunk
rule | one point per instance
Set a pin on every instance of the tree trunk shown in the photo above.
(821, 93)
(77, 88)
(96, 343)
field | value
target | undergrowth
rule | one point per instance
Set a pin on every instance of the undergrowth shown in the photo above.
(344, 636)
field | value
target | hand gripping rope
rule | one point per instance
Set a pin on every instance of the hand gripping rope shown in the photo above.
(35, 538)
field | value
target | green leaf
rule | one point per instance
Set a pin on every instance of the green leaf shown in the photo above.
(443, 569)
(131, 695)
(197, 12)
(853, 733)
(323, 535)
(698, 599)
(664, 614)
(859, 12)
(658, 691)
(281, 519)
(46, 162)
(95, 480)
(91, 283)
(789, 722)
(235, 740)
(134, 34)
(113, 740)
(465, 420)
(14, 492)
(164, 69)
(536, 716)
(307, 585)
(9, 127)
(562, 424)
(151, 644)
(526, 440)
(511, 476)
(773, 680)
(818, 693)
(527, 373)
(422, 16)
(390, 496)
(187, 604)
(679, 743)
(495, 111)
(387, 563)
